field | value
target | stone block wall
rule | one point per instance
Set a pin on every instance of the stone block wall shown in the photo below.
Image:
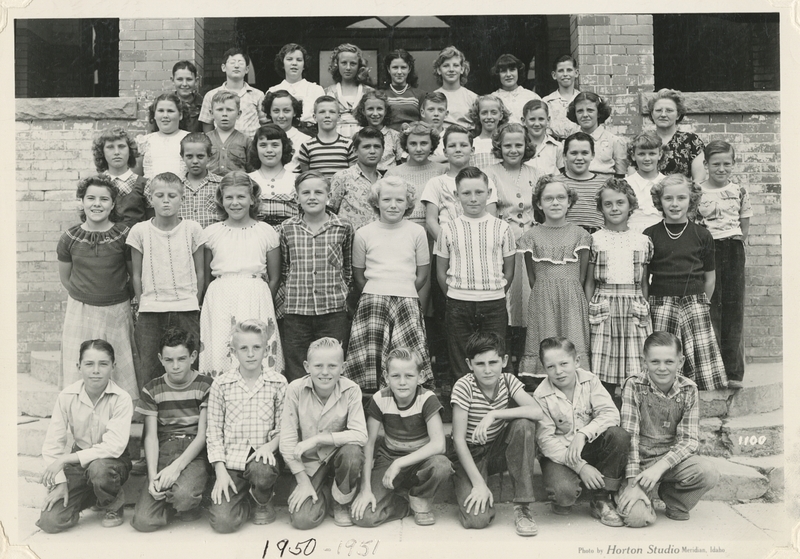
(53, 149)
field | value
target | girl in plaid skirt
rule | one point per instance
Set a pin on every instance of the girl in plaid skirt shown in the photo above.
(682, 280)
(619, 317)
(391, 263)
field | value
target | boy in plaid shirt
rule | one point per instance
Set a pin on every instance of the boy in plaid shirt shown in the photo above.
(316, 252)
(244, 409)
(660, 412)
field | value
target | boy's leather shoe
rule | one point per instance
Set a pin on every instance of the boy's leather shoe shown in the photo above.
(603, 509)
(524, 523)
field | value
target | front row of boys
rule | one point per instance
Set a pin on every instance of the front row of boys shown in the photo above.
(341, 465)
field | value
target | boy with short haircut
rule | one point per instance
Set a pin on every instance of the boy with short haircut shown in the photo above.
(351, 188)
(322, 434)
(328, 151)
(579, 434)
(725, 211)
(660, 412)
(474, 268)
(433, 111)
(578, 155)
(97, 414)
(229, 147)
(167, 261)
(565, 72)
(440, 193)
(316, 265)
(235, 65)
(644, 153)
(244, 410)
(184, 77)
(491, 437)
(175, 408)
(409, 460)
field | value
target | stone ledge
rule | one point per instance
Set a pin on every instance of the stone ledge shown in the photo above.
(95, 108)
(721, 102)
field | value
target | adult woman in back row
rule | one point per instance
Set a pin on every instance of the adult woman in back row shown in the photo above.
(683, 151)
(401, 88)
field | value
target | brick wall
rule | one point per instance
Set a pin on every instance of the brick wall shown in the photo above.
(53, 153)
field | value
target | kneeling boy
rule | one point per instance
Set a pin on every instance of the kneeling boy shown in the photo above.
(322, 432)
(174, 407)
(579, 434)
(410, 457)
(660, 412)
(244, 409)
(490, 437)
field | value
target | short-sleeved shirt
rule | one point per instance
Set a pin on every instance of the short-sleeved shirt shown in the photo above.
(584, 211)
(721, 209)
(390, 255)
(198, 201)
(99, 275)
(610, 153)
(515, 100)
(304, 91)
(678, 266)
(169, 280)
(161, 153)
(679, 153)
(441, 192)
(459, 103)
(406, 429)
(230, 155)
(328, 158)
(560, 125)
(350, 191)
(646, 214)
(476, 248)
(549, 157)
(250, 100)
(177, 407)
(468, 396)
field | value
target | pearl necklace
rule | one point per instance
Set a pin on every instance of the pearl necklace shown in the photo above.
(405, 87)
(675, 236)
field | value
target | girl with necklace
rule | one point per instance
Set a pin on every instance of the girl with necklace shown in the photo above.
(269, 154)
(515, 182)
(401, 90)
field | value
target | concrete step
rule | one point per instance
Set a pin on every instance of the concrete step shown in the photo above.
(737, 482)
(770, 466)
(46, 367)
(762, 392)
(35, 397)
(759, 434)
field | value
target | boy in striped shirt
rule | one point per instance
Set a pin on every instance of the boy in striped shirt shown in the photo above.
(174, 407)
(328, 151)
(475, 266)
(490, 437)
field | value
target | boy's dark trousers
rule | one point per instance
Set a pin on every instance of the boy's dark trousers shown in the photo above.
(300, 330)
(727, 305)
(184, 495)
(608, 453)
(464, 318)
(256, 482)
(150, 326)
(420, 481)
(514, 450)
(344, 465)
(100, 483)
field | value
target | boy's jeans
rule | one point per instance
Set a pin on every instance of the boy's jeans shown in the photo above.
(514, 450)
(185, 494)
(608, 453)
(464, 318)
(300, 330)
(727, 305)
(258, 480)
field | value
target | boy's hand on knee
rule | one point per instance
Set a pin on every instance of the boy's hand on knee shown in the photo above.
(628, 497)
(57, 493)
(155, 491)
(264, 454)
(478, 499)
(222, 487)
(391, 473)
(591, 477)
(649, 478)
(361, 502)
(167, 477)
(302, 492)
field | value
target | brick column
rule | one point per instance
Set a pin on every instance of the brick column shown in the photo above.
(148, 48)
(615, 57)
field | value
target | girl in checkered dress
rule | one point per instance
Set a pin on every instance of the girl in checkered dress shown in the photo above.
(682, 280)
(391, 263)
(619, 317)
